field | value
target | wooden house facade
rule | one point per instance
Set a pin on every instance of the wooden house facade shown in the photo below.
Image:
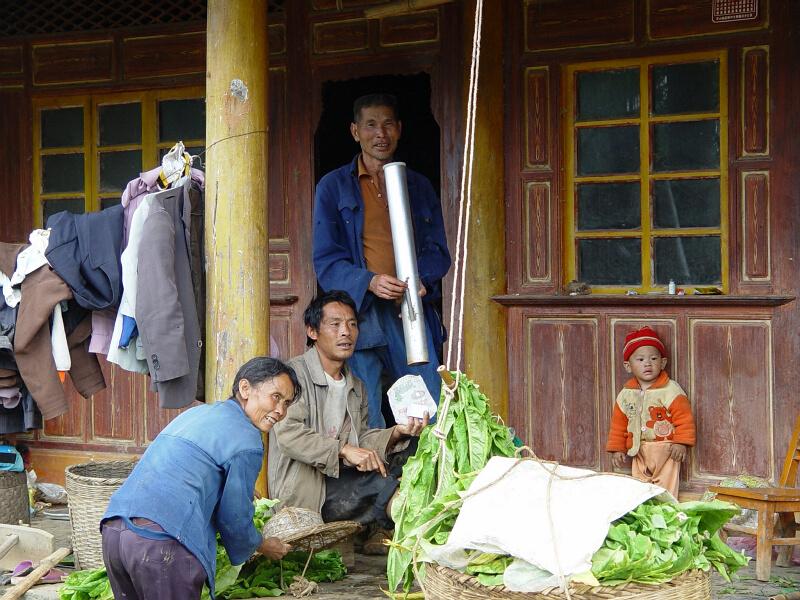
(619, 143)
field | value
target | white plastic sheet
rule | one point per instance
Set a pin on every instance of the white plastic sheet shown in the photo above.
(553, 522)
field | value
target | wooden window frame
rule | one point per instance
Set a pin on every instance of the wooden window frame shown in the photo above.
(645, 177)
(150, 146)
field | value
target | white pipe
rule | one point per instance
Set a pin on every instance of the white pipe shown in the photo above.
(405, 258)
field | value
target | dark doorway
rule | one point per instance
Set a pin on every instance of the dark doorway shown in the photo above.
(419, 144)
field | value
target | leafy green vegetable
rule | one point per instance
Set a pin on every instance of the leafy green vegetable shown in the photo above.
(427, 503)
(90, 584)
(262, 577)
(655, 542)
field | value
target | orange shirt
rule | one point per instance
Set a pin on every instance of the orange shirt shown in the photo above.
(377, 238)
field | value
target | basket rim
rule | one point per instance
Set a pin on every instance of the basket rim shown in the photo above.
(473, 582)
(69, 472)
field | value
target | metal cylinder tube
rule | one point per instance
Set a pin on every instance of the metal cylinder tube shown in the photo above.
(405, 258)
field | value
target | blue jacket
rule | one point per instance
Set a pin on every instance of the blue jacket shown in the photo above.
(196, 479)
(338, 251)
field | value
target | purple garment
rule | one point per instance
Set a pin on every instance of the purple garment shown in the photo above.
(143, 568)
(10, 397)
(135, 191)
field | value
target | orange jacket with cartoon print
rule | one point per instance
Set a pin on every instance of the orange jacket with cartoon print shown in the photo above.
(660, 413)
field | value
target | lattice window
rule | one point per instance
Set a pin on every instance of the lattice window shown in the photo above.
(86, 148)
(34, 17)
(646, 181)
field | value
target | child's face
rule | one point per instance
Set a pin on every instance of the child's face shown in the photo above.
(646, 364)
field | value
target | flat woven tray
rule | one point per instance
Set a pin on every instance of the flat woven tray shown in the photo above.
(442, 583)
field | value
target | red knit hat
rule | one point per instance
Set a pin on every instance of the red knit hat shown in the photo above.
(642, 337)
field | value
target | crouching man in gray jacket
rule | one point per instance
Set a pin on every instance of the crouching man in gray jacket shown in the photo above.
(322, 456)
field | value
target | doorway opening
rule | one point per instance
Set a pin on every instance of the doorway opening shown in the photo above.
(419, 143)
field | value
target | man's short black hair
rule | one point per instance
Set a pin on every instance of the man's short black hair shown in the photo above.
(263, 368)
(312, 317)
(379, 99)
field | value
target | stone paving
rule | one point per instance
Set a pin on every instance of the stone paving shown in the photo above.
(368, 577)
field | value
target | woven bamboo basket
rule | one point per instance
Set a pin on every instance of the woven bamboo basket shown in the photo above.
(89, 487)
(442, 583)
(14, 505)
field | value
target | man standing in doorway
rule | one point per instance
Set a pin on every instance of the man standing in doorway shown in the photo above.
(352, 251)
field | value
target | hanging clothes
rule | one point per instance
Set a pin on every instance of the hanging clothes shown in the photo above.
(132, 197)
(33, 352)
(122, 351)
(84, 250)
(166, 315)
(28, 260)
(22, 417)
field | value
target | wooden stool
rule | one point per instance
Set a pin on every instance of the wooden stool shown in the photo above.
(769, 502)
(782, 502)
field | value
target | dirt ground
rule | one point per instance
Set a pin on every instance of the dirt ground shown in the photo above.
(367, 578)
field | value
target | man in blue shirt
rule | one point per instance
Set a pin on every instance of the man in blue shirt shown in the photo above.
(195, 480)
(353, 252)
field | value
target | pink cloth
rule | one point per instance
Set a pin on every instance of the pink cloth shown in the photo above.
(10, 397)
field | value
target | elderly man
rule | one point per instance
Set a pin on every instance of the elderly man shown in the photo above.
(323, 456)
(353, 251)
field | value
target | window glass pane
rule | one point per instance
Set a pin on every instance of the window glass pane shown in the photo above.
(62, 127)
(109, 202)
(118, 168)
(121, 124)
(608, 150)
(181, 120)
(62, 173)
(686, 88)
(688, 260)
(610, 262)
(608, 94)
(609, 206)
(686, 146)
(686, 203)
(51, 207)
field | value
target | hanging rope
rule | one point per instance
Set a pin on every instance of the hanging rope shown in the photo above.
(464, 210)
(465, 202)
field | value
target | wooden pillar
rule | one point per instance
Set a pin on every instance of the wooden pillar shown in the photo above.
(237, 240)
(485, 320)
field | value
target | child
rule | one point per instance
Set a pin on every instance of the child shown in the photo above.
(652, 419)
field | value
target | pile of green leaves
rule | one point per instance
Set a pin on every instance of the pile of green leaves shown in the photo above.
(428, 499)
(488, 568)
(655, 542)
(264, 578)
(91, 584)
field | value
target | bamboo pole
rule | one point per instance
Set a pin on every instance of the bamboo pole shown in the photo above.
(236, 232)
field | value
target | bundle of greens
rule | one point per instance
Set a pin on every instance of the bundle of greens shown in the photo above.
(428, 499)
(91, 584)
(263, 578)
(655, 542)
